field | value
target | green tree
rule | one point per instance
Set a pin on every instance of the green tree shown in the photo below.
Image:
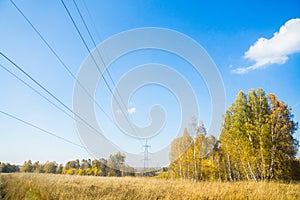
(8, 168)
(85, 164)
(71, 167)
(181, 156)
(186, 158)
(50, 167)
(257, 140)
(296, 169)
(86, 167)
(59, 169)
(175, 168)
(27, 167)
(192, 155)
(116, 164)
(258, 132)
(99, 167)
(284, 146)
(37, 167)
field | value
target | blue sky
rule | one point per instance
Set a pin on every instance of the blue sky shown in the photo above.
(226, 30)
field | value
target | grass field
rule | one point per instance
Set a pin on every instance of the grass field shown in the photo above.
(48, 186)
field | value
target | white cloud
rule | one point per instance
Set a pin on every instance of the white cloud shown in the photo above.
(129, 111)
(275, 50)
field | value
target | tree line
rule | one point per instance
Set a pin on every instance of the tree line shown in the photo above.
(114, 166)
(256, 143)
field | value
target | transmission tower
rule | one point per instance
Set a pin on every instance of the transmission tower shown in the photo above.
(146, 156)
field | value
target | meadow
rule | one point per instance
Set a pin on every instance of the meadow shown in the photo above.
(54, 186)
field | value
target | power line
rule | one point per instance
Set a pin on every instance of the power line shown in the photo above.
(67, 69)
(48, 92)
(36, 91)
(146, 146)
(59, 59)
(89, 51)
(64, 65)
(39, 93)
(41, 129)
(93, 23)
(99, 54)
(94, 43)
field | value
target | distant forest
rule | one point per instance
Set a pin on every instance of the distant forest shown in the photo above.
(114, 166)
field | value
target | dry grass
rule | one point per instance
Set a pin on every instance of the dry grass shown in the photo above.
(46, 186)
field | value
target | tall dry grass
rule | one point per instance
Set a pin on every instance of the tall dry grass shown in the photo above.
(46, 186)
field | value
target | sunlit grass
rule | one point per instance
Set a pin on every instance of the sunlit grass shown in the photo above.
(48, 186)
